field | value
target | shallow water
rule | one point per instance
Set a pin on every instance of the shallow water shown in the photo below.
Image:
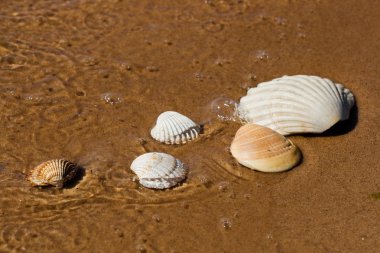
(85, 81)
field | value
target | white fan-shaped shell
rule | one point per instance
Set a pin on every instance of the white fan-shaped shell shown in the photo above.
(158, 170)
(54, 172)
(297, 104)
(174, 128)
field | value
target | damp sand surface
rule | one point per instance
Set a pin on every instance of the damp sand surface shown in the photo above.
(85, 81)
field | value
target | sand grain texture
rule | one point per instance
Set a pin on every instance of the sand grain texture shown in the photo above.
(85, 80)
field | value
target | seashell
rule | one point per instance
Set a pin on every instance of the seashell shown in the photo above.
(260, 148)
(54, 172)
(174, 128)
(158, 170)
(297, 104)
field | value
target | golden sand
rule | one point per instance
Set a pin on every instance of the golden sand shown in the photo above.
(86, 80)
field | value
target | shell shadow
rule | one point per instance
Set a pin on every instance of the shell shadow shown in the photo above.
(79, 175)
(202, 128)
(342, 127)
(298, 164)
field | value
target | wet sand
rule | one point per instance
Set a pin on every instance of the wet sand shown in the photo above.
(85, 80)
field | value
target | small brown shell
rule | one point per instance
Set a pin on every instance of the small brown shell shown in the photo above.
(54, 172)
(260, 148)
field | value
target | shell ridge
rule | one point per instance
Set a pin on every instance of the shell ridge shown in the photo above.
(336, 91)
(305, 84)
(53, 172)
(167, 133)
(275, 155)
(296, 104)
(280, 88)
(177, 123)
(327, 92)
(175, 128)
(165, 173)
(245, 138)
(181, 132)
(302, 90)
(259, 141)
(243, 134)
(290, 96)
(283, 117)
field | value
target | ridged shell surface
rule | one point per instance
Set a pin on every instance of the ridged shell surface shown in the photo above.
(260, 148)
(158, 170)
(297, 104)
(174, 128)
(54, 172)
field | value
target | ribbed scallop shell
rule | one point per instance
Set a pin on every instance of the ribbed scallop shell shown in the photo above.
(54, 172)
(158, 170)
(174, 128)
(297, 104)
(260, 148)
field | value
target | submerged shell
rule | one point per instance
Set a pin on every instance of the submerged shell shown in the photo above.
(158, 170)
(54, 172)
(260, 148)
(174, 128)
(297, 104)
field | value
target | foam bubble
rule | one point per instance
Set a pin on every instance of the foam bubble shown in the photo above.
(225, 109)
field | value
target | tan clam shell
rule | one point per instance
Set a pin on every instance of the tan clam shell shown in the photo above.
(54, 172)
(260, 148)
(174, 128)
(159, 170)
(297, 104)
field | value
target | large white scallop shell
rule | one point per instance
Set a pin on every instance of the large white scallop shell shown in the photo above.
(174, 128)
(297, 104)
(158, 170)
(260, 148)
(54, 172)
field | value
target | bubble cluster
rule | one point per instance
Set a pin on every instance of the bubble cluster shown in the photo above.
(204, 180)
(112, 98)
(212, 26)
(225, 109)
(80, 93)
(223, 186)
(226, 223)
(262, 55)
(156, 218)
